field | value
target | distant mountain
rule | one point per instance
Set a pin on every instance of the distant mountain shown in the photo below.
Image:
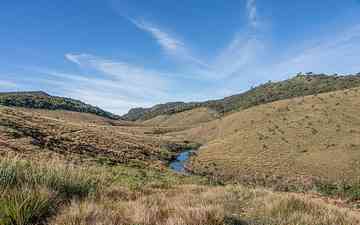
(300, 85)
(42, 100)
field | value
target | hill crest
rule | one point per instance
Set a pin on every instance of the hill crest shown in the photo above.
(299, 85)
(43, 100)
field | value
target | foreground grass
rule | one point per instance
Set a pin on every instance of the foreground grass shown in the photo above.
(195, 205)
(21, 206)
(58, 194)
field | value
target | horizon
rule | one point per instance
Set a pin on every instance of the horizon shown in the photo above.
(118, 55)
(162, 103)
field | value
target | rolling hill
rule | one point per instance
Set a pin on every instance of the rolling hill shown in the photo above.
(300, 85)
(42, 100)
(312, 138)
(87, 167)
(83, 137)
(186, 119)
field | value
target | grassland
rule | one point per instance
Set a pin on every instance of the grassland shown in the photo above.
(186, 119)
(300, 141)
(60, 167)
(69, 136)
(57, 193)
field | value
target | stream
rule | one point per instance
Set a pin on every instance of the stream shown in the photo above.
(178, 164)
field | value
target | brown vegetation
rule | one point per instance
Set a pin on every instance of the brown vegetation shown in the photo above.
(93, 138)
(185, 119)
(298, 139)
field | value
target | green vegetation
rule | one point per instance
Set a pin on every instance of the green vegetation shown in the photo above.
(301, 85)
(31, 192)
(41, 100)
(43, 193)
(62, 180)
(342, 190)
(23, 207)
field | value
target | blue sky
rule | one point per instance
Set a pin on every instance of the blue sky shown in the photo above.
(119, 54)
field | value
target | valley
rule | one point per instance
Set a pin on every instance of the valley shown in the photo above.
(283, 153)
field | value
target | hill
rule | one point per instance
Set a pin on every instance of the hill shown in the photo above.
(186, 119)
(312, 138)
(42, 100)
(300, 85)
(63, 167)
(35, 132)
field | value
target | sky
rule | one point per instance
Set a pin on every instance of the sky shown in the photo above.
(120, 54)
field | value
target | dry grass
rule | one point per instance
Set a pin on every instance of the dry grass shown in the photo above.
(302, 138)
(33, 194)
(76, 117)
(197, 205)
(38, 131)
(189, 118)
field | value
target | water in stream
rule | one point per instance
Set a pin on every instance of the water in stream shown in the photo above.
(178, 165)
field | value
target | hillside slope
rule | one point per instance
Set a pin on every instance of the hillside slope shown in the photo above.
(300, 85)
(315, 136)
(33, 133)
(42, 100)
(184, 119)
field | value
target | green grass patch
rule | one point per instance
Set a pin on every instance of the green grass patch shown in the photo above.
(65, 181)
(24, 206)
(342, 190)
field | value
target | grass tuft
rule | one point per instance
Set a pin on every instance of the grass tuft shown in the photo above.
(24, 206)
(66, 181)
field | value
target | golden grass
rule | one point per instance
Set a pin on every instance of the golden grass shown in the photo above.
(199, 205)
(116, 203)
(38, 131)
(189, 118)
(303, 138)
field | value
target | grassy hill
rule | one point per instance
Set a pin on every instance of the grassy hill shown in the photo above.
(33, 132)
(300, 85)
(308, 138)
(189, 118)
(64, 168)
(42, 100)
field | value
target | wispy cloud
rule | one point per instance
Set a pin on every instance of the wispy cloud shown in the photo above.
(113, 95)
(76, 58)
(241, 53)
(128, 74)
(169, 43)
(336, 53)
(7, 84)
(111, 84)
(252, 13)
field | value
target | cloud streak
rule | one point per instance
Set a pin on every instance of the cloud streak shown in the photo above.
(252, 13)
(7, 84)
(120, 71)
(337, 53)
(239, 54)
(170, 44)
(113, 95)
